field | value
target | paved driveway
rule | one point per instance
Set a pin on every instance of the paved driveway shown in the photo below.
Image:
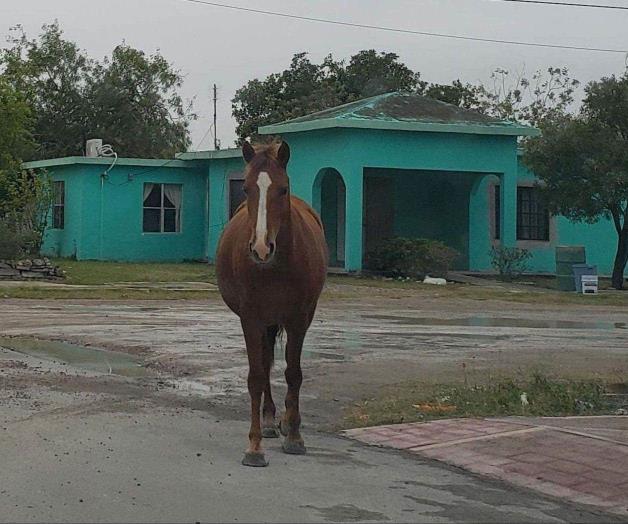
(80, 442)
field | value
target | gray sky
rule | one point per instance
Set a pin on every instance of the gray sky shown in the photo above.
(210, 44)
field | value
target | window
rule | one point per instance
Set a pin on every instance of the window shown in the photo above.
(532, 215)
(498, 210)
(162, 208)
(58, 205)
(236, 195)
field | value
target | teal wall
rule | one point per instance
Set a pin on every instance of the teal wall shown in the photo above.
(219, 170)
(351, 151)
(103, 217)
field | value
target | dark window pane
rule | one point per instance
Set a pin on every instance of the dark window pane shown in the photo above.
(532, 215)
(152, 218)
(236, 195)
(154, 197)
(59, 193)
(497, 212)
(172, 194)
(170, 220)
(58, 217)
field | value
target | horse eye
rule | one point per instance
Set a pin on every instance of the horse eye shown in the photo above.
(283, 191)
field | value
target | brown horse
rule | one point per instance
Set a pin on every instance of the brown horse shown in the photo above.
(271, 266)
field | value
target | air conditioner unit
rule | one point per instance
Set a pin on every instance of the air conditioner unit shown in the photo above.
(93, 147)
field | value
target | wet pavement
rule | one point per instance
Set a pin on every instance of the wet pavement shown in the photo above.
(118, 403)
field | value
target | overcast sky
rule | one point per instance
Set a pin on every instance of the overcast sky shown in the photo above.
(211, 44)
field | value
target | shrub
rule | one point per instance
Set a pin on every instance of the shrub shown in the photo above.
(25, 200)
(511, 262)
(412, 257)
(14, 245)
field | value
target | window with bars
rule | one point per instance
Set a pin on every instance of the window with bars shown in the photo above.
(533, 218)
(162, 208)
(58, 205)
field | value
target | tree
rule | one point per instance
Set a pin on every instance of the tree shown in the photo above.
(52, 73)
(463, 95)
(24, 197)
(15, 128)
(130, 100)
(543, 97)
(306, 88)
(135, 105)
(582, 162)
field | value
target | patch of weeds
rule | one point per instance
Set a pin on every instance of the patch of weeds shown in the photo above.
(536, 396)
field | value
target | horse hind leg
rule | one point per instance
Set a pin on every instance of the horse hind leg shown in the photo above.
(269, 425)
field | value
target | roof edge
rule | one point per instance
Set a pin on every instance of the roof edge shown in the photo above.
(433, 127)
(233, 152)
(105, 161)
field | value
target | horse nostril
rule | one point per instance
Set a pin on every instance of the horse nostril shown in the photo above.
(271, 245)
(251, 247)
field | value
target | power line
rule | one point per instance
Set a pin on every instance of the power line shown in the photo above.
(569, 4)
(403, 31)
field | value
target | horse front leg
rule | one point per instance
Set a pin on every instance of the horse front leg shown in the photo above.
(291, 420)
(269, 426)
(254, 338)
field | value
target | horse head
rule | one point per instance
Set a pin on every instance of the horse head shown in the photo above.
(267, 190)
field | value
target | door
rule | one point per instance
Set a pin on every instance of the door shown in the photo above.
(378, 216)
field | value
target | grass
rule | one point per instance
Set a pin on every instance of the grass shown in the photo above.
(91, 272)
(536, 396)
(98, 273)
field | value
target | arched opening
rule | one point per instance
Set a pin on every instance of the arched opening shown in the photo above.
(330, 200)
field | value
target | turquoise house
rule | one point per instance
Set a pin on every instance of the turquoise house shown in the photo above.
(392, 165)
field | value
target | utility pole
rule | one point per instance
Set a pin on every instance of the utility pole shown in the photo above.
(216, 141)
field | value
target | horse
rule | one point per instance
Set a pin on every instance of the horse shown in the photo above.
(271, 265)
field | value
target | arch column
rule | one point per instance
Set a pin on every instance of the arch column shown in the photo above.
(354, 235)
(508, 208)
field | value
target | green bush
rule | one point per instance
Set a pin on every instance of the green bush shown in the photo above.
(15, 245)
(511, 262)
(412, 257)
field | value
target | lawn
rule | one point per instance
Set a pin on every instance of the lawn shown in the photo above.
(106, 280)
(536, 395)
(91, 272)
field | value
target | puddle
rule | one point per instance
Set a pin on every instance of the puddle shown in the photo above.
(82, 357)
(476, 321)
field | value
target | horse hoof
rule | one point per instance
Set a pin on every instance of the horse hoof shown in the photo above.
(283, 428)
(293, 447)
(255, 460)
(270, 432)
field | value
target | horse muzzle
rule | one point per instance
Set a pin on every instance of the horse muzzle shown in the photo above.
(262, 252)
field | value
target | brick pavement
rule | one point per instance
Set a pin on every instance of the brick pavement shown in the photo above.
(582, 459)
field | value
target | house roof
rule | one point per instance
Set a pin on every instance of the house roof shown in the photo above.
(405, 112)
(234, 152)
(106, 161)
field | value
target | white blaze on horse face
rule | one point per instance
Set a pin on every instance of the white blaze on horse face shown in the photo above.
(261, 228)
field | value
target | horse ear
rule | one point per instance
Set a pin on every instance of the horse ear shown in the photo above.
(283, 154)
(247, 151)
